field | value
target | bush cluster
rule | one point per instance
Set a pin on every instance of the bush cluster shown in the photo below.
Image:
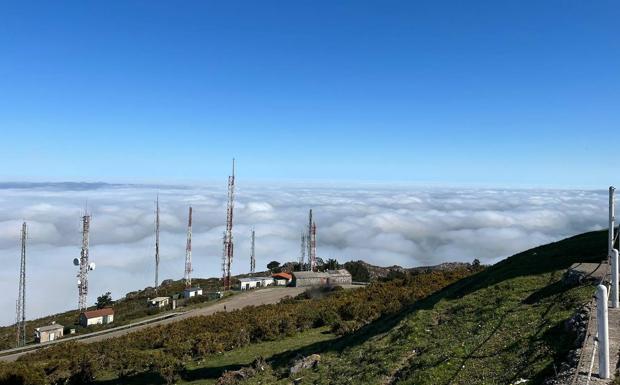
(164, 349)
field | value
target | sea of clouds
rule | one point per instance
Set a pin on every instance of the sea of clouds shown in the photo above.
(383, 225)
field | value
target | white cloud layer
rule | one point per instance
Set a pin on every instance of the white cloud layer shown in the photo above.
(381, 225)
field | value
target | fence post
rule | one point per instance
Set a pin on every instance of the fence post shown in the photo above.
(603, 331)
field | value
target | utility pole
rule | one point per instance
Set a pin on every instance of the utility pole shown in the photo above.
(228, 237)
(188, 252)
(157, 243)
(84, 265)
(252, 255)
(20, 318)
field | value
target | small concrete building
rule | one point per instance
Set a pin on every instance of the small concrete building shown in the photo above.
(282, 279)
(158, 302)
(191, 292)
(48, 333)
(309, 278)
(97, 317)
(339, 277)
(328, 278)
(254, 282)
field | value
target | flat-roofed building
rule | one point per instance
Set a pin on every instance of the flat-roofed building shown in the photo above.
(48, 333)
(159, 302)
(192, 292)
(254, 282)
(309, 278)
(339, 277)
(319, 278)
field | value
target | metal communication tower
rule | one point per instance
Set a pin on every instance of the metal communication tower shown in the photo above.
(157, 243)
(311, 242)
(228, 238)
(252, 255)
(20, 318)
(84, 266)
(188, 252)
(309, 235)
(302, 257)
(313, 247)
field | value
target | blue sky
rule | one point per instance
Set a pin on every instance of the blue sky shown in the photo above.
(511, 93)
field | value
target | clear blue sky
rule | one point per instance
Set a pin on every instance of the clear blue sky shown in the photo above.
(451, 92)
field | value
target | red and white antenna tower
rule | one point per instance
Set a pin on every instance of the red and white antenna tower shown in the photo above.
(252, 254)
(84, 265)
(157, 243)
(228, 238)
(20, 318)
(188, 252)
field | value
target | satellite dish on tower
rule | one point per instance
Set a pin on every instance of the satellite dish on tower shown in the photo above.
(92, 266)
(76, 262)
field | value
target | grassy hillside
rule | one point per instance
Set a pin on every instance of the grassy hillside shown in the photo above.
(165, 353)
(466, 326)
(495, 327)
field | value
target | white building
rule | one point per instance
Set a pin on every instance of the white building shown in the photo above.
(282, 279)
(254, 282)
(192, 292)
(48, 333)
(97, 317)
(158, 302)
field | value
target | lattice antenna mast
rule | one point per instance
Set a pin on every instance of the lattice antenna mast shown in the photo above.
(84, 266)
(188, 252)
(253, 254)
(20, 318)
(157, 243)
(224, 260)
(228, 238)
(309, 236)
(313, 266)
(302, 257)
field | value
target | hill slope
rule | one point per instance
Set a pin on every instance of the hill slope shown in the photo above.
(493, 326)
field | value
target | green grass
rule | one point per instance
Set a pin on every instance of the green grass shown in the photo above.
(496, 327)
(207, 371)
